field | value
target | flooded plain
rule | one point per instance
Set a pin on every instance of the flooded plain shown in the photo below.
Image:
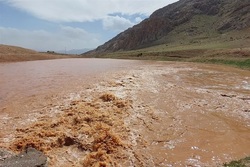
(40, 80)
(95, 112)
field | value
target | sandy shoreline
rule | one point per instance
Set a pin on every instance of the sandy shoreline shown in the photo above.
(154, 114)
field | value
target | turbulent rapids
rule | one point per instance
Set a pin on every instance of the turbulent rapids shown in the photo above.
(125, 113)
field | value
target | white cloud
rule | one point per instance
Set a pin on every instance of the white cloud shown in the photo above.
(138, 19)
(61, 11)
(116, 23)
(69, 37)
(85, 10)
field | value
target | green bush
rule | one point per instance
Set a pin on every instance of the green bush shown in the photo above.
(240, 163)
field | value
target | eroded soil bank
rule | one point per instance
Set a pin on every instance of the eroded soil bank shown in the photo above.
(137, 114)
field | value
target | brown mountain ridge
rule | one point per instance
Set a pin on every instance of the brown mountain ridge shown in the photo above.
(185, 21)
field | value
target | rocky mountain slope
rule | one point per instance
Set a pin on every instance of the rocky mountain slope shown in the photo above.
(184, 20)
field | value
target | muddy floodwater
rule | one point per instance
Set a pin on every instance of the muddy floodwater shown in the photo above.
(102, 112)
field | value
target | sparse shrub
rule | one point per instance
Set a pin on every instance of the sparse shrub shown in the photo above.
(240, 163)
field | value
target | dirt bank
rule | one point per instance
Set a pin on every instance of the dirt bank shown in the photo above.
(17, 54)
(154, 114)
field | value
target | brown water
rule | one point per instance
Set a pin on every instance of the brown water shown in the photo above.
(23, 81)
(87, 112)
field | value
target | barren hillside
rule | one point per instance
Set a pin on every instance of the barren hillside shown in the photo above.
(14, 54)
(184, 22)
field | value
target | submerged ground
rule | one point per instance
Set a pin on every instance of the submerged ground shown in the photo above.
(87, 112)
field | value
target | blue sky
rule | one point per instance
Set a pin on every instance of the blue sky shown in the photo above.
(72, 24)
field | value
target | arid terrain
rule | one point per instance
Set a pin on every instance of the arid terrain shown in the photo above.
(15, 54)
(133, 113)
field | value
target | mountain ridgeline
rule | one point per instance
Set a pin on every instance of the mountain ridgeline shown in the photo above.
(184, 20)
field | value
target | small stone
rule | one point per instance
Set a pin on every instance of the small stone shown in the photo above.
(28, 158)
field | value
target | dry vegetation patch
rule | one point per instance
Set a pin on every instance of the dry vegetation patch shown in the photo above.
(15, 54)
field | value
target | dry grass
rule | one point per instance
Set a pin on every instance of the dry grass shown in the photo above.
(238, 57)
(233, 46)
(15, 54)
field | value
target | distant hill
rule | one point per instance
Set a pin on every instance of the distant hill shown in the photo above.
(184, 22)
(14, 54)
(73, 51)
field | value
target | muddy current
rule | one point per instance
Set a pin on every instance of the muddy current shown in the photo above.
(94, 112)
